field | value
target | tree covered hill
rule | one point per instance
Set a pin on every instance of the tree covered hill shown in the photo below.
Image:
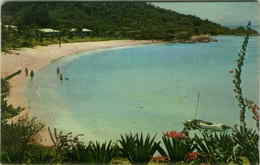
(133, 20)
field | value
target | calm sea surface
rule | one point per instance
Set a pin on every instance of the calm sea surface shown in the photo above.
(150, 88)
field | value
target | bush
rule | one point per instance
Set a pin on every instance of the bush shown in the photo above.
(70, 149)
(64, 144)
(102, 153)
(39, 154)
(79, 153)
(215, 147)
(246, 141)
(177, 146)
(16, 138)
(138, 149)
(7, 111)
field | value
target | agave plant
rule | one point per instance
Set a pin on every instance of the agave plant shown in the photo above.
(246, 140)
(102, 153)
(177, 146)
(137, 148)
(216, 147)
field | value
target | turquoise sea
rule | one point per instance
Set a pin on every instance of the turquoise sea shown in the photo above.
(149, 88)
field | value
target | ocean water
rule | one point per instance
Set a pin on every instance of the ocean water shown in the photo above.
(147, 88)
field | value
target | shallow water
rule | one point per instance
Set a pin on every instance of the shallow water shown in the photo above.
(150, 88)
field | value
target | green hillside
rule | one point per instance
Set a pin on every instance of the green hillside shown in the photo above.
(131, 20)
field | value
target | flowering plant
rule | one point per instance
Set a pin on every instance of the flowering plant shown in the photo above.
(192, 156)
(177, 145)
(175, 135)
(160, 158)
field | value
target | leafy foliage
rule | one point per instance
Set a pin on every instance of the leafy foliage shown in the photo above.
(246, 141)
(102, 153)
(64, 143)
(176, 149)
(36, 154)
(215, 147)
(131, 20)
(137, 148)
(7, 110)
(16, 138)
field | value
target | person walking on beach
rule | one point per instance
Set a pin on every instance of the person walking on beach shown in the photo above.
(26, 72)
(31, 74)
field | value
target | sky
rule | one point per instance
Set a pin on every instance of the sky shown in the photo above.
(230, 14)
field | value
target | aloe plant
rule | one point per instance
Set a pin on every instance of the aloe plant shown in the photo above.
(246, 141)
(176, 149)
(216, 147)
(79, 153)
(137, 148)
(102, 153)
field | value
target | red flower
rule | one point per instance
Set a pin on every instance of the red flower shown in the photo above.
(160, 158)
(175, 134)
(192, 156)
(255, 109)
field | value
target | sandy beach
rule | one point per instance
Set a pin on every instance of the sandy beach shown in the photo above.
(39, 57)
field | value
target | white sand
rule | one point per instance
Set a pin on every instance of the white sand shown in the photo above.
(38, 57)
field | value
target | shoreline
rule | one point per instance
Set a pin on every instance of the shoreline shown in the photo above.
(39, 57)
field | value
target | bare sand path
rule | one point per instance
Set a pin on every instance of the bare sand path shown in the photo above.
(39, 57)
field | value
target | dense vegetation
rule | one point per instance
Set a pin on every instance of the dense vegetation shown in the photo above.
(8, 110)
(109, 20)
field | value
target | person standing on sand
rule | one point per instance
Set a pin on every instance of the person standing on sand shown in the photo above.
(58, 70)
(26, 72)
(61, 77)
(31, 74)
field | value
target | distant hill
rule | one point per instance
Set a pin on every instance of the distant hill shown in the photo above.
(133, 20)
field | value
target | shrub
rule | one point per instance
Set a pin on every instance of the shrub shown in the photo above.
(16, 138)
(101, 153)
(177, 146)
(246, 141)
(63, 144)
(39, 154)
(80, 153)
(137, 148)
(216, 147)
(7, 110)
